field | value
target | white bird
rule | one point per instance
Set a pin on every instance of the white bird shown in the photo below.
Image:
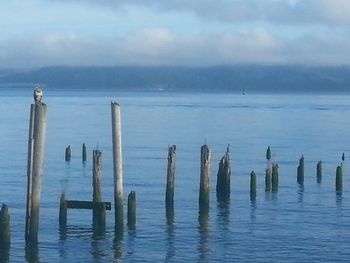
(38, 94)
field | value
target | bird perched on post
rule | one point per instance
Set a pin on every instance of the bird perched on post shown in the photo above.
(38, 94)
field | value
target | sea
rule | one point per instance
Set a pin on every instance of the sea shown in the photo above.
(309, 223)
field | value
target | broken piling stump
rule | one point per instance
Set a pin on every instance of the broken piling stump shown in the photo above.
(83, 153)
(274, 178)
(223, 178)
(339, 179)
(204, 179)
(68, 154)
(319, 172)
(169, 194)
(131, 210)
(252, 186)
(268, 180)
(36, 145)
(300, 171)
(5, 233)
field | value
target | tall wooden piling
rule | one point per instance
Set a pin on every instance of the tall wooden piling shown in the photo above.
(99, 210)
(204, 179)
(252, 186)
(5, 233)
(319, 172)
(223, 178)
(339, 179)
(68, 154)
(300, 171)
(83, 153)
(268, 180)
(131, 210)
(36, 145)
(274, 178)
(117, 166)
(169, 194)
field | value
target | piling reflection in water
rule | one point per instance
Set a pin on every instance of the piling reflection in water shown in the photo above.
(170, 252)
(300, 193)
(203, 231)
(32, 252)
(118, 247)
(4, 254)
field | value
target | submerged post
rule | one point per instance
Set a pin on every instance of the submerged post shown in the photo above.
(83, 153)
(204, 179)
(36, 145)
(252, 186)
(5, 233)
(339, 180)
(117, 166)
(274, 178)
(132, 210)
(99, 210)
(169, 194)
(319, 172)
(223, 178)
(300, 171)
(68, 154)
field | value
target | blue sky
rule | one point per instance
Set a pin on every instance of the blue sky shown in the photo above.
(36, 33)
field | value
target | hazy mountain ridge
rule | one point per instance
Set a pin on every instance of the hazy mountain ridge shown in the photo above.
(251, 78)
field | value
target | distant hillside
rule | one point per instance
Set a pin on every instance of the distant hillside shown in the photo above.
(252, 78)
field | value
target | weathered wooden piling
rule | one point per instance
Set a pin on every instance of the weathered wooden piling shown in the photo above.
(268, 180)
(169, 195)
(99, 210)
(117, 166)
(132, 210)
(343, 157)
(204, 178)
(274, 178)
(339, 179)
(36, 145)
(319, 172)
(252, 186)
(5, 233)
(268, 153)
(68, 154)
(83, 153)
(300, 171)
(63, 211)
(223, 178)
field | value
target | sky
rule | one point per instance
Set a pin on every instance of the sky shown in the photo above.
(38, 33)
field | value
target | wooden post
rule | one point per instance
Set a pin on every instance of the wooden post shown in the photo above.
(83, 153)
(99, 210)
(68, 154)
(132, 210)
(223, 178)
(268, 180)
(319, 172)
(169, 195)
(5, 233)
(268, 153)
(63, 211)
(36, 145)
(117, 166)
(252, 186)
(204, 179)
(274, 178)
(300, 171)
(339, 180)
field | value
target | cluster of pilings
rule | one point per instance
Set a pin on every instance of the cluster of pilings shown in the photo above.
(36, 144)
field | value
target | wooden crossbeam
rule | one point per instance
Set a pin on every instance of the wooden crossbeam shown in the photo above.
(75, 204)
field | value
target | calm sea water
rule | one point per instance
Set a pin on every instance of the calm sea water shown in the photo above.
(309, 224)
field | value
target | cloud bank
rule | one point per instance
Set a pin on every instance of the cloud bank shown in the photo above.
(178, 32)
